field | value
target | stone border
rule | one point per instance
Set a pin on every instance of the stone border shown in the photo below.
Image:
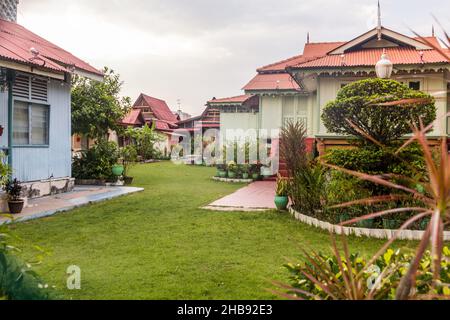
(360, 232)
(232, 180)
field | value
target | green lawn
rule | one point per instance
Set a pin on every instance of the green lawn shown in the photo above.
(158, 244)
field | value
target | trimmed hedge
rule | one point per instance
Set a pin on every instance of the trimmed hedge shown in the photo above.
(360, 102)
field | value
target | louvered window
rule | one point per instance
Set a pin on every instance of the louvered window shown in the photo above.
(30, 124)
(30, 88)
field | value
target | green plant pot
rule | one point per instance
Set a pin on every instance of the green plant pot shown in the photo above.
(231, 174)
(255, 176)
(245, 176)
(391, 224)
(222, 174)
(368, 224)
(117, 170)
(281, 202)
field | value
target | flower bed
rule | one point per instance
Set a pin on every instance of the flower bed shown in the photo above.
(359, 232)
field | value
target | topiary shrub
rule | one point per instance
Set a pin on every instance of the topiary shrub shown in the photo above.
(376, 160)
(363, 103)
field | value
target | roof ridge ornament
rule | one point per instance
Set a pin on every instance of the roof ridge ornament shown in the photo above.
(379, 26)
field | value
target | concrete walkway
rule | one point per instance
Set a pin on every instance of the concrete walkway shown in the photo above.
(80, 196)
(258, 196)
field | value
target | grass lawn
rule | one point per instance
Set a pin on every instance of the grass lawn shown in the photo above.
(158, 244)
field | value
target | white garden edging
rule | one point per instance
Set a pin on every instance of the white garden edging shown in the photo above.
(360, 232)
(232, 180)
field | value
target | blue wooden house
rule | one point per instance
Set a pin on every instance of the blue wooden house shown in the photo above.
(35, 107)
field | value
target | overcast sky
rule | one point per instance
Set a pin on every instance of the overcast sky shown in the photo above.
(196, 49)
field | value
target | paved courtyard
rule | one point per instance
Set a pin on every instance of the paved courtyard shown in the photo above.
(81, 195)
(255, 197)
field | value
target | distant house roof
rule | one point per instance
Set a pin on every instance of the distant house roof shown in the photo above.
(272, 81)
(16, 43)
(134, 118)
(159, 108)
(231, 100)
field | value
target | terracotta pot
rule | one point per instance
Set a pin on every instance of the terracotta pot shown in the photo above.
(16, 206)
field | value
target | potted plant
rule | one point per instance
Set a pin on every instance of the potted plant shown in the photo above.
(281, 194)
(14, 189)
(221, 170)
(256, 170)
(117, 170)
(232, 168)
(245, 171)
(129, 158)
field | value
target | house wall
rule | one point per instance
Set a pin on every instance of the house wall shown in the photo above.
(36, 163)
(275, 109)
(244, 121)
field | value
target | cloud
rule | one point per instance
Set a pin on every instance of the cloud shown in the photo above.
(193, 50)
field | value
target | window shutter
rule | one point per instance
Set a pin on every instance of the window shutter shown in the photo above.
(39, 89)
(21, 88)
(30, 88)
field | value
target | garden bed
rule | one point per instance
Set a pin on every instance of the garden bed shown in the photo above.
(229, 180)
(360, 232)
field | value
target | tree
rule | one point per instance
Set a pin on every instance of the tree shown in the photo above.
(97, 106)
(378, 108)
(145, 139)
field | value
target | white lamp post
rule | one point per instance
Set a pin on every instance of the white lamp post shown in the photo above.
(384, 67)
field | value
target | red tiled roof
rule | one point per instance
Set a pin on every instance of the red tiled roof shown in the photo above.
(16, 42)
(319, 49)
(272, 81)
(369, 57)
(163, 126)
(311, 51)
(159, 108)
(133, 118)
(237, 99)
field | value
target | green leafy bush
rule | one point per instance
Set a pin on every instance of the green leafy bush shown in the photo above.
(363, 103)
(376, 160)
(320, 277)
(19, 282)
(307, 189)
(97, 162)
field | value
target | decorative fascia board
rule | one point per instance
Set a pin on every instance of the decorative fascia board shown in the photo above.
(373, 33)
(31, 69)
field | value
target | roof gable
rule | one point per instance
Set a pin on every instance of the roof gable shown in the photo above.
(159, 107)
(388, 37)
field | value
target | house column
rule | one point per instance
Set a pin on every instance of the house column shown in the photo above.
(10, 77)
